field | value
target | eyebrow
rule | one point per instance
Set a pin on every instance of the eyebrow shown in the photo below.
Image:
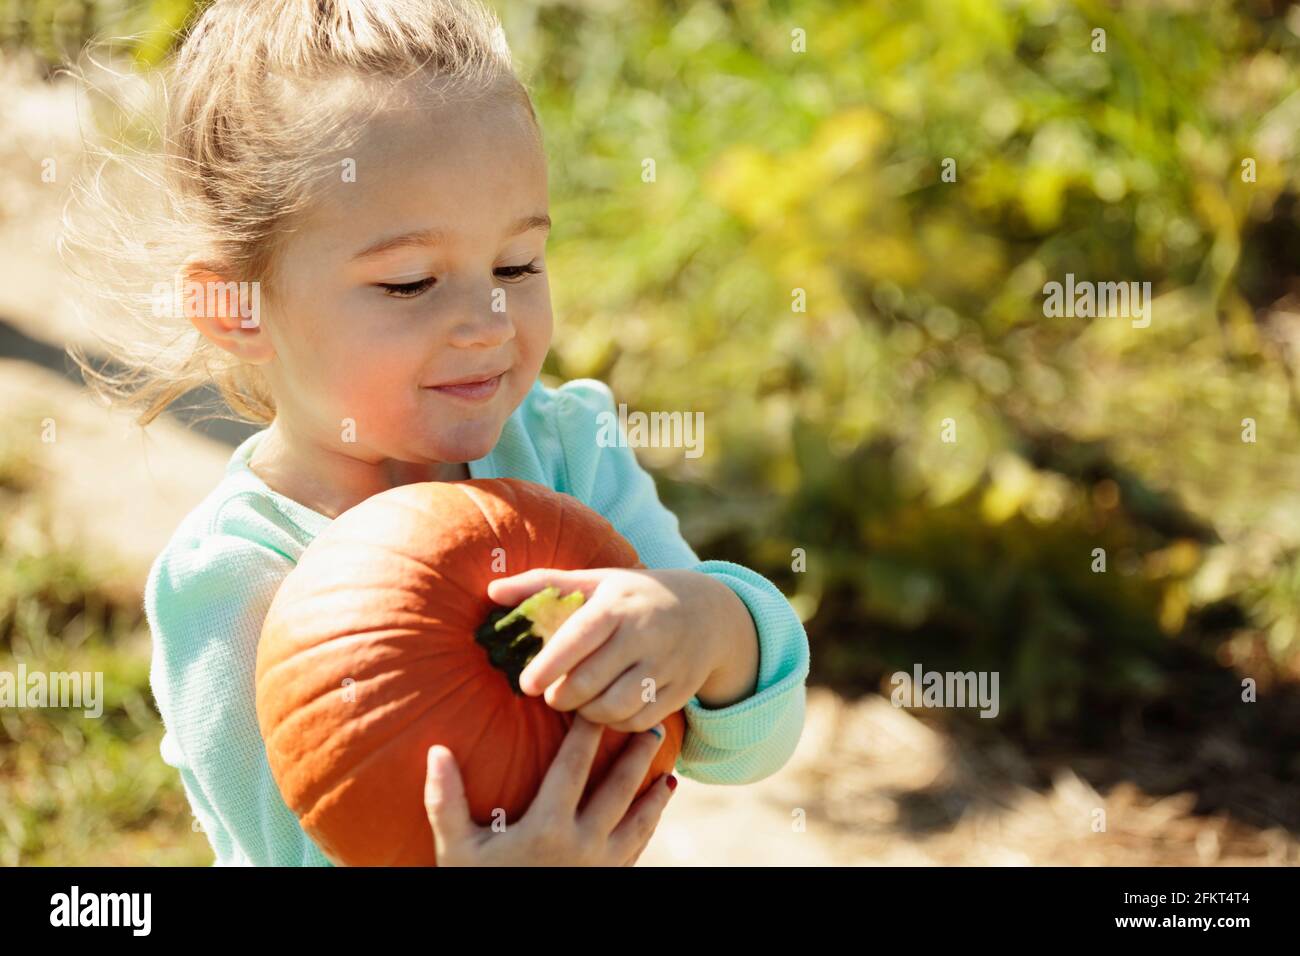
(431, 237)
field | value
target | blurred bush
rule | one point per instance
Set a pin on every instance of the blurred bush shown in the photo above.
(801, 270)
(822, 172)
(55, 31)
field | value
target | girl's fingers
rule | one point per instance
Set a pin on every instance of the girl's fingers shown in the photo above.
(639, 824)
(567, 776)
(444, 801)
(593, 677)
(654, 712)
(618, 694)
(610, 801)
(585, 630)
(510, 591)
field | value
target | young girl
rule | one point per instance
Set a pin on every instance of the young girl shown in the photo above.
(364, 183)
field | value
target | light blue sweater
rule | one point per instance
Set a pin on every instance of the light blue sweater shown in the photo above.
(209, 590)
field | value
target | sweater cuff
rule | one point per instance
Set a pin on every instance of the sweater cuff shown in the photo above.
(782, 665)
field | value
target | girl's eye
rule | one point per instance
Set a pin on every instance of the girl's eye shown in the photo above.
(406, 290)
(409, 290)
(515, 273)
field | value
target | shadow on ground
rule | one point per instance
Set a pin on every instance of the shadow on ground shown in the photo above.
(194, 410)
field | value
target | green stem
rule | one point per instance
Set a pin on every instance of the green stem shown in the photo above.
(510, 648)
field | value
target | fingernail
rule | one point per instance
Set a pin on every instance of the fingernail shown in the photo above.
(658, 731)
(672, 782)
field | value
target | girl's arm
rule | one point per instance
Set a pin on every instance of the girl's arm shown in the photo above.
(754, 737)
(205, 601)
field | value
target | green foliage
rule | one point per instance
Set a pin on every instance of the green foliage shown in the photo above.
(822, 171)
(56, 30)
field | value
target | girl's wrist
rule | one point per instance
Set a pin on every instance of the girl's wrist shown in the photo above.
(735, 673)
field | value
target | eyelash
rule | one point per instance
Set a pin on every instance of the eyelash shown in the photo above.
(409, 290)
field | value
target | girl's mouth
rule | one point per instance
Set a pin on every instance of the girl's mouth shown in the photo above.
(479, 391)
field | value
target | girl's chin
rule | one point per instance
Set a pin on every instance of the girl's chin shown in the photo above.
(462, 448)
(465, 434)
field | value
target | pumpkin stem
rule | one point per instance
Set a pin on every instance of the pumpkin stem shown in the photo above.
(512, 637)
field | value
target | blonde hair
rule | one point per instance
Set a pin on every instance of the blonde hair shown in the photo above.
(233, 161)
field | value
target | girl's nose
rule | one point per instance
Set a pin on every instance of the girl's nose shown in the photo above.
(481, 320)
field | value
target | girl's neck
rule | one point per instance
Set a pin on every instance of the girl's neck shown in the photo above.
(329, 482)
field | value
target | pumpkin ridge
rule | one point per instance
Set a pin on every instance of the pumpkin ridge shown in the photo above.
(348, 540)
(570, 506)
(555, 538)
(524, 729)
(469, 491)
(393, 501)
(518, 490)
(356, 584)
(424, 565)
(353, 771)
(421, 626)
(540, 763)
(423, 623)
(289, 727)
(502, 714)
(421, 829)
(611, 543)
(485, 726)
(316, 698)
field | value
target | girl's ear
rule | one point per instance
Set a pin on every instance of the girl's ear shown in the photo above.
(226, 312)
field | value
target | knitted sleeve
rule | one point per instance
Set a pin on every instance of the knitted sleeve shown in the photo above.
(205, 601)
(751, 738)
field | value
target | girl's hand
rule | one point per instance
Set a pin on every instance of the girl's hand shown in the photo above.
(552, 832)
(641, 645)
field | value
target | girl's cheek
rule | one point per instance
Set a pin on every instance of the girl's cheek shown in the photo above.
(537, 327)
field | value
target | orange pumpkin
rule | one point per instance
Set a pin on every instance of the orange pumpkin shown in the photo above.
(379, 644)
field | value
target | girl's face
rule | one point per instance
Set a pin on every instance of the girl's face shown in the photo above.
(412, 302)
